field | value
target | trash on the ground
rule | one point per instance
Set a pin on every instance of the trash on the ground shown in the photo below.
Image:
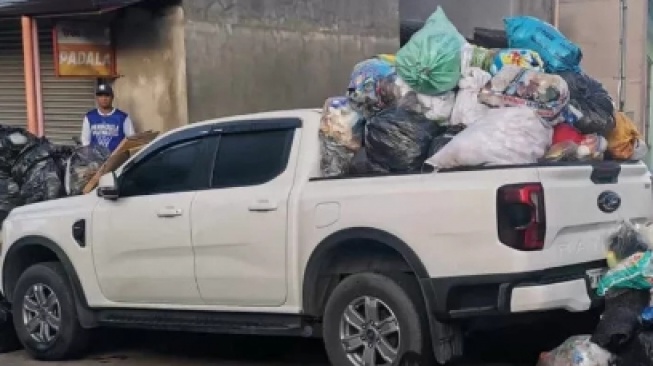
(434, 107)
(515, 86)
(430, 62)
(467, 109)
(592, 101)
(557, 52)
(629, 258)
(624, 138)
(398, 139)
(526, 59)
(620, 320)
(505, 136)
(81, 166)
(576, 351)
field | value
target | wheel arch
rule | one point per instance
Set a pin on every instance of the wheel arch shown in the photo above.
(314, 295)
(31, 250)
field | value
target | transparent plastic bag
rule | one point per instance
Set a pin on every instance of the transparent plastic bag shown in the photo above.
(576, 351)
(372, 86)
(505, 136)
(513, 86)
(467, 109)
(9, 196)
(82, 165)
(436, 108)
(430, 62)
(335, 158)
(398, 139)
(477, 57)
(341, 123)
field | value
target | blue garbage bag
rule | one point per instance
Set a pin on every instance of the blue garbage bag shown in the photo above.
(559, 53)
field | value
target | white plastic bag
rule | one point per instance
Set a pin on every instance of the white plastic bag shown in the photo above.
(504, 136)
(467, 109)
(576, 351)
(436, 108)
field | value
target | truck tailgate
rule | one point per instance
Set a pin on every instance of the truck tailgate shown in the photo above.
(585, 204)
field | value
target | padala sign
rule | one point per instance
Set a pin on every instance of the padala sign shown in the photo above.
(84, 49)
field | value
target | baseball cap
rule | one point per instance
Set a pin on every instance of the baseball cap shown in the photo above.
(104, 89)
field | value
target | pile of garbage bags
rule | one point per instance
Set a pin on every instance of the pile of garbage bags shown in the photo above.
(440, 98)
(32, 169)
(624, 335)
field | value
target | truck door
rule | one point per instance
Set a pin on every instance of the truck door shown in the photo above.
(239, 225)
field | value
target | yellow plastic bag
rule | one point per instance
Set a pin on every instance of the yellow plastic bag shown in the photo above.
(391, 59)
(624, 137)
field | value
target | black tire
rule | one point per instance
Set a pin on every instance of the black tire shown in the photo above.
(8, 340)
(71, 339)
(401, 294)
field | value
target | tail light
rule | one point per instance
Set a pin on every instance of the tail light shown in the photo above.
(521, 217)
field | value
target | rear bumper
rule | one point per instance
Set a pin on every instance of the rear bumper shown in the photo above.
(563, 288)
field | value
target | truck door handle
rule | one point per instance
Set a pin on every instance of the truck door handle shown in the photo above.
(169, 212)
(263, 206)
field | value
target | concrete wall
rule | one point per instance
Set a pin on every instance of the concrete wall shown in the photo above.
(594, 25)
(468, 14)
(253, 55)
(151, 62)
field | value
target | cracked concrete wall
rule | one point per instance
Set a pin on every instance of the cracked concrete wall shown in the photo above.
(152, 66)
(247, 56)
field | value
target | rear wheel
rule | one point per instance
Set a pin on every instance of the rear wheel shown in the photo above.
(45, 316)
(372, 319)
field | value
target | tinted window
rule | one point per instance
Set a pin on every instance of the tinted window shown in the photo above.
(251, 158)
(170, 170)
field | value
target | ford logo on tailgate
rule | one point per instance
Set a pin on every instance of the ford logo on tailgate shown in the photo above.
(609, 202)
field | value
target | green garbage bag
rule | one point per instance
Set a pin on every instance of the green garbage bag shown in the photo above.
(635, 272)
(430, 62)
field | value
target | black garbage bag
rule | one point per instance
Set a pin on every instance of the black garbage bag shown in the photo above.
(42, 182)
(639, 352)
(620, 321)
(9, 196)
(13, 141)
(361, 165)
(593, 101)
(440, 141)
(490, 38)
(38, 172)
(397, 139)
(82, 165)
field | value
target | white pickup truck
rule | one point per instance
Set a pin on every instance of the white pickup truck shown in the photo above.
(226, 226)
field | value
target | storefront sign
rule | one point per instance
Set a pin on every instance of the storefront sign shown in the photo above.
(83, 49)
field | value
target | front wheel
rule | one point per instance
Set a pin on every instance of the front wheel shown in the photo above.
(45, 316)
(374, 320)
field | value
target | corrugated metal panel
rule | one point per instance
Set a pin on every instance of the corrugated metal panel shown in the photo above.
(13, 107)
(65, 100)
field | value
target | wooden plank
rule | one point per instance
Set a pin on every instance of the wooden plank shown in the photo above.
(127, 148)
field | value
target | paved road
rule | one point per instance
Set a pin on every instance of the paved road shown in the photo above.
(164, 349)
(516, 345)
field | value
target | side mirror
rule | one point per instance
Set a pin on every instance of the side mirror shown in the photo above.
(108, 187)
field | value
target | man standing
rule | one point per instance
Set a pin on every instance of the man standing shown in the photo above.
(106, 126)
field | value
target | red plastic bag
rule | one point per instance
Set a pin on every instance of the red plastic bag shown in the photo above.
(563, 132)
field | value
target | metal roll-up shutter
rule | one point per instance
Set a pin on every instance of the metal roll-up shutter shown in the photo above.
(13, 106)
(65, 100)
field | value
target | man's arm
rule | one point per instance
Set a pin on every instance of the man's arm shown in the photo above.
(128, 127)
(86, 132)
